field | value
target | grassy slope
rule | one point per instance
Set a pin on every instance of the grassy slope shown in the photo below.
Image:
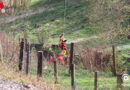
(76, 26)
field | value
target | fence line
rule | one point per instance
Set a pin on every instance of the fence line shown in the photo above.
(71, 64)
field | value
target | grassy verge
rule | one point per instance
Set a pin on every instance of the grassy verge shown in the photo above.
(84, 79)
(7, 73)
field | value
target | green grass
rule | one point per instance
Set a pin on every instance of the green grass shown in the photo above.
(84, 79)
(78, 24)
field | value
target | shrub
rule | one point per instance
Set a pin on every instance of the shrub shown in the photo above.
(92, 58)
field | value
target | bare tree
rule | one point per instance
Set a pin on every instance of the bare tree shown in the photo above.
(17, 3)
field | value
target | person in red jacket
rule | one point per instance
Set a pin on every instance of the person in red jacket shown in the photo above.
(2, 10)
(62, 44)
(1, 5)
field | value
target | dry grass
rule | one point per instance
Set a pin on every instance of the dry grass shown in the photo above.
(92, 58)
(9, 49)
(20, 78)
(8, 70)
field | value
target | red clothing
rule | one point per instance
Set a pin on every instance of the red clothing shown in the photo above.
(60, 37)
(65, 48)
(60, 45)
(1, 5)
(64, 45)
(60, 59)
(51, 59)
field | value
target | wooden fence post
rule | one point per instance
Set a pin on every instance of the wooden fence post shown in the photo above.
(55, 72)
(95, 80)
(73, 76)
(114, 60)
(55, 64)
(128, 36)
(39, 67)
(21, 54)
(25, 54)
(71, 56)
(28, 56)
(119, 82)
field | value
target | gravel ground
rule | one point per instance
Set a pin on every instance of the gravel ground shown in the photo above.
(10, 85)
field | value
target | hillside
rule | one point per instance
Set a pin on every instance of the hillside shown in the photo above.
(93, 23)
(89, 23)
(99, 29)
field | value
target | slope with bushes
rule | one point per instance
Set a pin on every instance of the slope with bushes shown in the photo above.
(107, 20)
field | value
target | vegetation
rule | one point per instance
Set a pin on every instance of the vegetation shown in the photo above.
(17, 3)
(83, 18)
(20, 78)
(84, 78)
(89, 23)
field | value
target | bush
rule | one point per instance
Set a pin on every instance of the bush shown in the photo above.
(92, 58)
